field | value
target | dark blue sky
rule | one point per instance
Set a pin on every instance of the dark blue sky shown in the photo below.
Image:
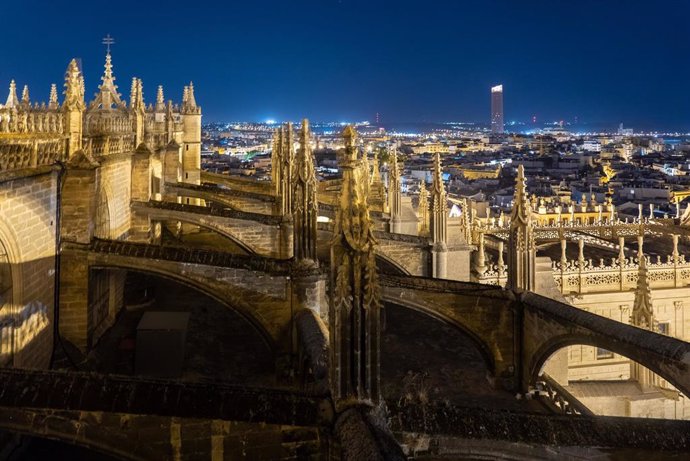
(421, 60)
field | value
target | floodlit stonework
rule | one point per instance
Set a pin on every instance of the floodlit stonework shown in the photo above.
(99, 195)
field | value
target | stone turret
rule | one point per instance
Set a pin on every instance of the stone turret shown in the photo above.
(191, 137)
(521, 244)
(74, 106)
(438, 222)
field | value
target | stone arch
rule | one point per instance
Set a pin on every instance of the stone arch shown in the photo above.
(35, 423)
(555, 344)
(480, 344)
(220, 231)
(231, 301)
(386, 261)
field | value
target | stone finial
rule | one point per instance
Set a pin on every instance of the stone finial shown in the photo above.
(521, 243)
(651, 211)
(394, 193)
(74, 87)
(12, 99)
(276, 160)
(564, 255)
(26, 99)
(639, 212)
(423, 209)
(521, 208)
(305, 210)
(107, 95)
(675, 253)
(136, 98)
(642, 313)
(160, 99)
(376, 172)
(53, 100)
(191, 101)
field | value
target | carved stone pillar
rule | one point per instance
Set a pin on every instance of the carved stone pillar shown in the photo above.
(439, 223)
(521, 245)
(355, 306)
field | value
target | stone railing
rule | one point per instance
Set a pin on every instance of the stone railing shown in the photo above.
(108, 145)
(558, 398)
(16, 154)
(583, 276)
(31, 120)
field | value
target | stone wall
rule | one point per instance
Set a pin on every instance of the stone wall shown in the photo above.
(115, 182)
(27, 231)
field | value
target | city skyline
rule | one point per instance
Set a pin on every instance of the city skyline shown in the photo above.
(409, 64)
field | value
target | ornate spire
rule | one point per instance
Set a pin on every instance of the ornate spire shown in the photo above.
(160, 99)
(136, 96)
(438, 226)
(26, 99)
(423, 209)
(355, 306)
(107, 96)
(53, 100)
(643, 317)
(74, 87)
(12, 99)
(642, 313)
(439, 206)
(188, 100)
(192, 99)
(394, 193)
(305, 206)
(277, 160)
(287, 157)
(185, 95)
(522, 249)
(521, 208)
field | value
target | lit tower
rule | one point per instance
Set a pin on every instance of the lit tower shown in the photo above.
(497, 109)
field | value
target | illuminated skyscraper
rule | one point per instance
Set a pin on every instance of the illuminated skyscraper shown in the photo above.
(497, 109)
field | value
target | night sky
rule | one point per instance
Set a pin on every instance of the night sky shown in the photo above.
(411, 61)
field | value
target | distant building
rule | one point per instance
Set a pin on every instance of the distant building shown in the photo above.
(497, 126)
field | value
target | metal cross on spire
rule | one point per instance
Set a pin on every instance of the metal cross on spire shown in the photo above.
(107, 41)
